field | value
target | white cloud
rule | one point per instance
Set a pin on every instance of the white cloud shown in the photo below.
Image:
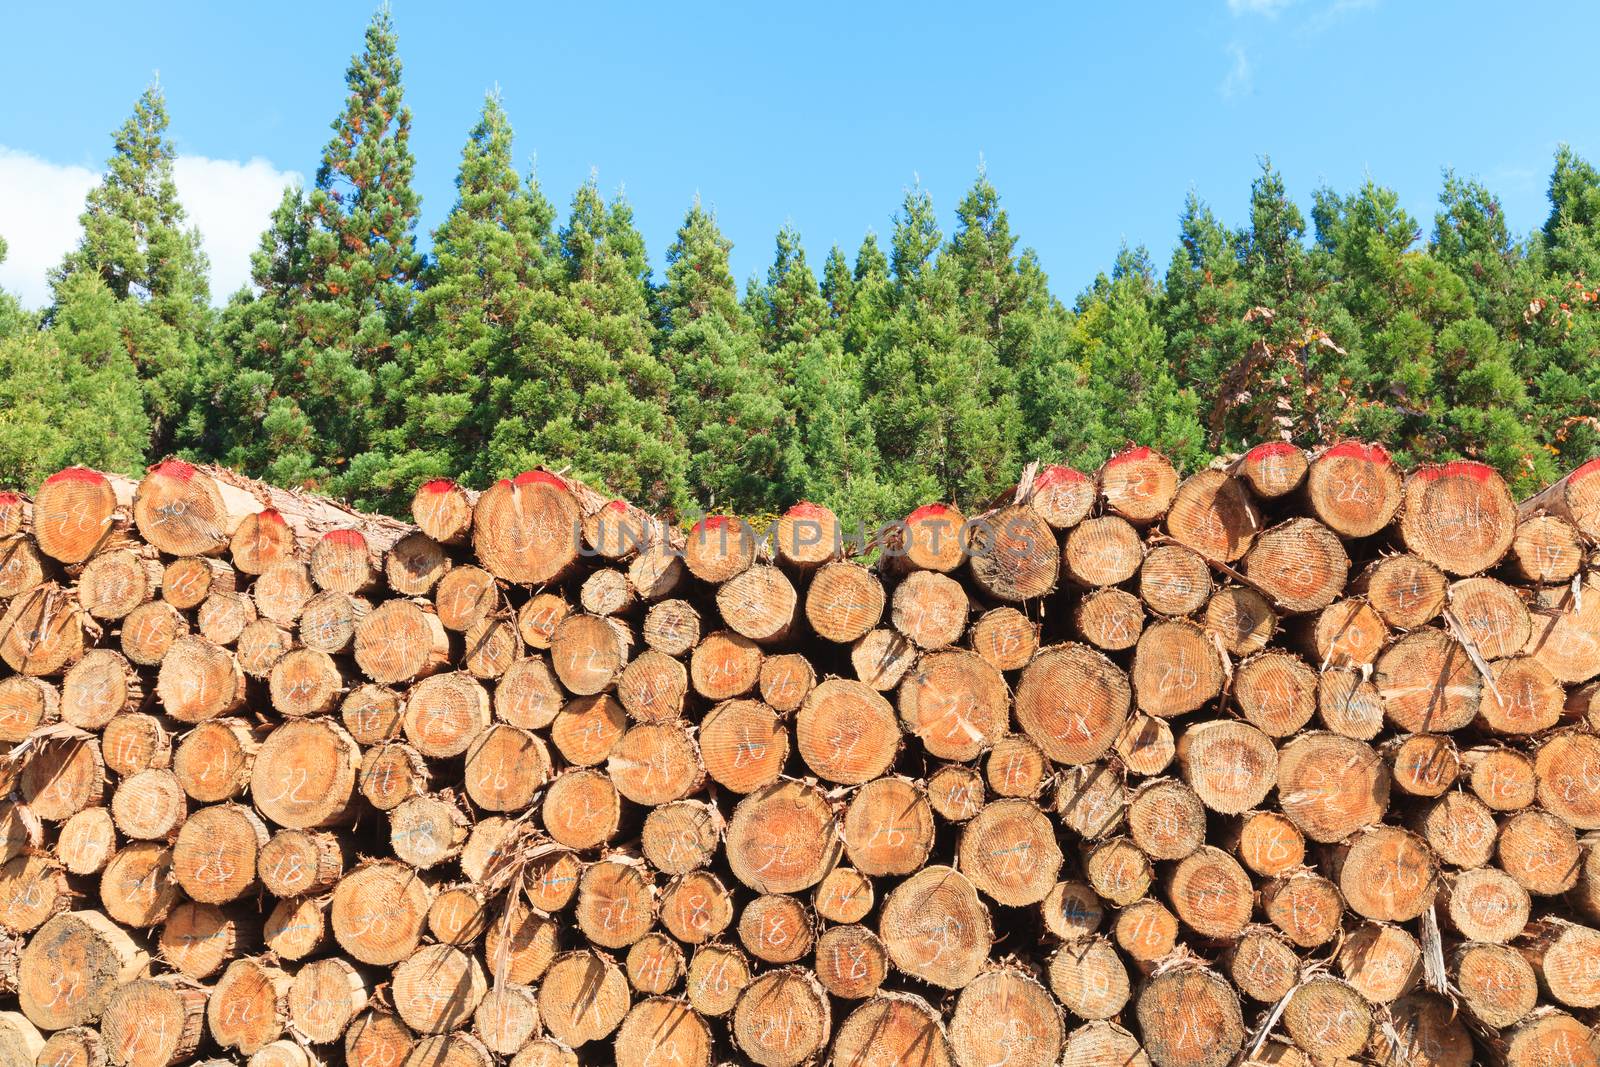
(40, 201)
(39, 207)
(231, 202)
(1258, 7)
(1240, 78)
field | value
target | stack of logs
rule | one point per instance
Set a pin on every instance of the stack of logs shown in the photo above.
(1285, 762)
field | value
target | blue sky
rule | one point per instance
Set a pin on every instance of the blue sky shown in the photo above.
(1094, 121)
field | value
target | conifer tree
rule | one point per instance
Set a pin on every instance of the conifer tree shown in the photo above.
(13, 319)
(944, 412)
(71, 394)
(491, 254)
(311, 369)
(136, 241)
(1562, 319)
(730, 401)
(586, 392)
(1111, 384)
(838, 284)
(1205, 300)
(1472, 238)
(833, 458)
(1005, 296)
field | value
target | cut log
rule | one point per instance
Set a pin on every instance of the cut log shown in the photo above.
(1540, 851)
(1102, 551)
(199, 681)
(843, 602)
(806, 536)
(153, 1022)
(1073, 702)
(1300, 564)
(1016, 767)
(44, 631)
(719, 548)
(1147, 932)
(954, 702)
(215, 855)
(1013, 555)
(744, 745)
(401, 641)
(1545, 548)
(114, 583)
(882, 658)
(846, 732)
(1174, 580)
(1331, 786)
(1214, 514)
(1354, 488)
(1273, 469)
(304, 774)
(782, 839)
(21, 566)
(74, 514)
(1110, 619)
(1139, 484)
(851, 962)
(72, 967)
(415, 565)
(758, 603)
(1328, 1019)
(527, 529)
(1498, 987)
(1006, 1015)
(1176, 669)
(1458, 516)
(1190, 1017)
(583, 998)
(1575, 498)
(1241, 619)
(936, 928)
(261, 539)
(1276, 692)
(671, 627)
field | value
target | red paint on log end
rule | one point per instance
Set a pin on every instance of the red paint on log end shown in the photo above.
(437, 485)
(346, 538)
(805, 509)
(928, 511)
(713, 522)
(1056, 474)
(1587, 470)
(1132, 454)
(616, 505)
(271, 515)
(1271, 448)
(1374, 454)
(538, 478)
(76, 474)
(1459, 468)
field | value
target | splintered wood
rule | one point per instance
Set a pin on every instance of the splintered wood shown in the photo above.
(1295, 760)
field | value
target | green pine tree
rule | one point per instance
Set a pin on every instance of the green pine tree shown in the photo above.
(308, 372)
(944, 411)
(833, 458)
(1110, 384)
(13, 319)
(730, 402)
(492, 253)
(587, 392)
(1204, 302)
(136, 241)
(1561, 320)
(71, 394)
